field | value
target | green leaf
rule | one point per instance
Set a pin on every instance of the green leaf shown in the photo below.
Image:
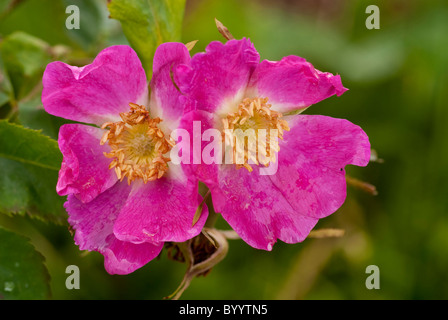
(148, 23)
(24, 59)
(30, 162)
(30, 190)
(44, 19)
(23, 275)
(28, 146)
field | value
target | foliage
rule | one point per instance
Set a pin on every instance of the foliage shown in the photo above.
(23, 274)
(148, 23)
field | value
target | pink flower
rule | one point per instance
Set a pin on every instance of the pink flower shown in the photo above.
(228, 88)
(125, 198)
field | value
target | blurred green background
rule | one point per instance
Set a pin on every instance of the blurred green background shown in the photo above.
(397, 77)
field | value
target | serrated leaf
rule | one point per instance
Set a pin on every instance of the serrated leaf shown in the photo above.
(148, 23)
(28, 146)
(29, 163)
(23, 275)
(30, 190)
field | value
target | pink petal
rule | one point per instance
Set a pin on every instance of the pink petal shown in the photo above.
(84, 170)
(94, 222)
(311, 161)
(218, 77)
(164, 94)
(161, 210)
(293, 83)
(195, 123)
(122, 257)
(256, 209)
(98, 92)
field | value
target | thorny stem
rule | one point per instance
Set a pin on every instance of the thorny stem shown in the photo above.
(15, 105)
(366, 187)
(36, 90)
(326, 233)
(318, 234)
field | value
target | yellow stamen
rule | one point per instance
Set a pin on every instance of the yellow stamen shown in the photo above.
(137, 146)
(256, 114)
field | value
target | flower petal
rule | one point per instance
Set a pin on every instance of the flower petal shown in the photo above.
(93, 223)
(293, 83)
(164, 94)
(84, 170)
(161, 210)
(195, 124)
(311, 161)
(219, 77)
(98, 92)
(122, 257)
(256, 209)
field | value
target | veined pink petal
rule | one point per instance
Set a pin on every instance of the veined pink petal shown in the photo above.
(218, 77)
(196, 123)
(98, 92)
(93, 223)
(164, 93)
(257, 210)
(84, 170)
(311, 161)
(161, 210)
(122, 257)
(293, 83)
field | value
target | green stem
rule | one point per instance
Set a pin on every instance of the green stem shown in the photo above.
(212, 214)
(195, 269)
(211, 220)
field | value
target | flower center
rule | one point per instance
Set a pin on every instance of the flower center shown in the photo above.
(137, 145)
(256, 121)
